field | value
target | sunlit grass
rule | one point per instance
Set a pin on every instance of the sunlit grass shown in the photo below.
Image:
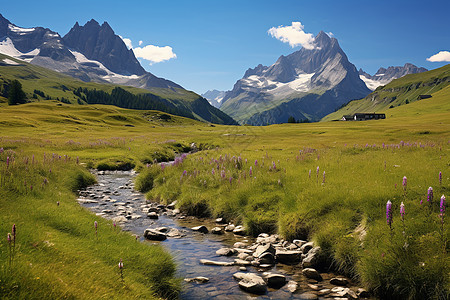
(345, 215)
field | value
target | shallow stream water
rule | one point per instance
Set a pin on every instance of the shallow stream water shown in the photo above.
(114, 195)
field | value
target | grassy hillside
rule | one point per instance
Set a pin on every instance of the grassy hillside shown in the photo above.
(343, 211)
(57, 86)
(398, 92)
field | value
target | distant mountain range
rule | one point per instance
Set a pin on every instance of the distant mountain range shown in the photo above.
(93, 52)
(214, 97)
(307, 84)
(384, 76)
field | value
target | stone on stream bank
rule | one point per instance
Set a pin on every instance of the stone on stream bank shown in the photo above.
(312, 273)
(251, 283)
(230, 227)
(239, 230)
(153, 215)
(288, 256)
(198, 279)
(216, 263)
(273, 280)
(217, 230)
(226, 252)
(339, 281)
(154, 235)
(201, 228)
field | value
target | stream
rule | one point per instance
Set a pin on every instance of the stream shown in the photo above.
(113, 197)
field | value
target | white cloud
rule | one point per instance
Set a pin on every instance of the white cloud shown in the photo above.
(127, 42)
(441, 56)
(154, 54)
(294, 35)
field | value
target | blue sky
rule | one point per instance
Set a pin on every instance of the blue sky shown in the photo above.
(215, 42)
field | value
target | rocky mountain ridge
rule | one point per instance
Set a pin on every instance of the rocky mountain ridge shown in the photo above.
(309, 83)
(384, 76)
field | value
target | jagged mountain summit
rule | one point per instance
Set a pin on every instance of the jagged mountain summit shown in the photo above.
(307, 84)
(384, 76)
(214, 97)
(101, 44)
(92, 52)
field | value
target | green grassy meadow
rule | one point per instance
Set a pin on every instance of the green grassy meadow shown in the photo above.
(344, 211)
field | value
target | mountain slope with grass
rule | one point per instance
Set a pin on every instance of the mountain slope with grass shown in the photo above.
(398, 92)
(43, 84)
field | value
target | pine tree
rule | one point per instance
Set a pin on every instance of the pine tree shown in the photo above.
(16, 94)
(291, 119)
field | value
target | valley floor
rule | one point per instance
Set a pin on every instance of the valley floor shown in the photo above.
(327, 182)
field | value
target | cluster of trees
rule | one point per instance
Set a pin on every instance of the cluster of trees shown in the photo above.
(291, 119)
(37, 93)
(122, 98)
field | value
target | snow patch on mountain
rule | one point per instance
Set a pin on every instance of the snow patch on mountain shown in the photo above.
(7, 47)
(20, 30)
(373, 84)
(111, 76)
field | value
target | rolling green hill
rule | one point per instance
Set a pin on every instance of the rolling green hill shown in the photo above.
(398, 92)
(44, 84)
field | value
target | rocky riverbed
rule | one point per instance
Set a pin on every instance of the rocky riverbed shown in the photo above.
(216, 259)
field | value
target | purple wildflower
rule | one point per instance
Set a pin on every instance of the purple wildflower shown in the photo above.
(309, 173)
(114, 224)
(8, 238)
(251, 171)
(231, 179)
(1, 150)
(256, 162)
(430, 195)
(213, 172)
(7, 162)
(274, 166)
(404, 183)
(402, 211)
(95, 225)
(389, 213)
(184, 173)
(440, 178)
(13, 230)
(442, 205)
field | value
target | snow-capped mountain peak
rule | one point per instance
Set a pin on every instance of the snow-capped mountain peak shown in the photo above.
(384, 76)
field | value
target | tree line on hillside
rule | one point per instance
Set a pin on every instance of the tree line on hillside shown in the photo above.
(122, 98)
(291, 119)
